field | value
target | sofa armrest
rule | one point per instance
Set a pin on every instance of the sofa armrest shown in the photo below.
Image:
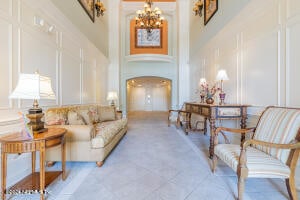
(77, 132)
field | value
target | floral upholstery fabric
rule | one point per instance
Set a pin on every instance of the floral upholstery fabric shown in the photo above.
(106, 113)
(105, 131)
(55, 118)
(74, 118)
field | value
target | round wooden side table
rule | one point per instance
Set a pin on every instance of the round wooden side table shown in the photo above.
(19, 143)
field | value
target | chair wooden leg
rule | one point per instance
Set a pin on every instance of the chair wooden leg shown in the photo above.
(214, 163)
(99, 163)
(50, 163)
(241, 187)
(291, 188)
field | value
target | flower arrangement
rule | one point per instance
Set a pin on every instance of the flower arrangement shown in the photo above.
(206, 92)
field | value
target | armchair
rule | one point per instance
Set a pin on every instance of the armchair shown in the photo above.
(182, 118)
(272, 152)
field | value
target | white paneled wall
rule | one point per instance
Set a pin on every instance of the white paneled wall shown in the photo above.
(77, 68)
(260, 55)
(259, 48)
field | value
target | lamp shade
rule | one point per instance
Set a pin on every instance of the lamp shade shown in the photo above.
(33, 86)
(111, 96)
(202, 82)
(222, 75)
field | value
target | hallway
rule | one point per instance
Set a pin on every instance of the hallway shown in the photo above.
(156, 162)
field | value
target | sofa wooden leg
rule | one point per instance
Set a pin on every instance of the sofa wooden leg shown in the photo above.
(50, 163)
(99, 163)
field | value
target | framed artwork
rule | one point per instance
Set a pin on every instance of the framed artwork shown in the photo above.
(88, 6)
(145, 39)
(210, 8)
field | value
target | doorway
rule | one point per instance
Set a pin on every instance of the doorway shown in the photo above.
(148, 93)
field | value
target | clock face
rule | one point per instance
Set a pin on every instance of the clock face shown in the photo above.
(148, 39)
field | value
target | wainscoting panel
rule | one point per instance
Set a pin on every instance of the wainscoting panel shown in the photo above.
(70, 79)
(293, 61)
(88, 82)
(5, 62)
(42, 57)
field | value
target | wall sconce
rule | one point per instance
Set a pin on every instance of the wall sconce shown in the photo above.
(198, 7)
(100, 9)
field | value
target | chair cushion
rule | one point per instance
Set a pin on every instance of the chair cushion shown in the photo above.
(106, 131)
(259, 163)
(278, 125)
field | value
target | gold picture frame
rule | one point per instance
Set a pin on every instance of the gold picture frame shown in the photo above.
(210, 8)
(88, 6)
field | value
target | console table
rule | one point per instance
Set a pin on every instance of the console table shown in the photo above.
(36, 182)
(213, 112)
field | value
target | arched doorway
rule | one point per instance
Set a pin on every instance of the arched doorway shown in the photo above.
(148, 93)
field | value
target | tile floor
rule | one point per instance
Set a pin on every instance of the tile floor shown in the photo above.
(156, 162)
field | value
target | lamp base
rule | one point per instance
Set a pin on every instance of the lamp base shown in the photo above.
(222, 98)
(35, 123)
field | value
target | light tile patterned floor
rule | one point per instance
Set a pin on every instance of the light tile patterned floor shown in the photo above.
(156, 162)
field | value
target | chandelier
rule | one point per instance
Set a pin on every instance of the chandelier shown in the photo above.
(99, 8)
(148, 18)
(198, 7)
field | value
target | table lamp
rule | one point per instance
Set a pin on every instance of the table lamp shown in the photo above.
(34, 86)
(222, 76)
(112, 97)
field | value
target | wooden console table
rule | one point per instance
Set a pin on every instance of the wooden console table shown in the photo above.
(213, 112)
(19, 143)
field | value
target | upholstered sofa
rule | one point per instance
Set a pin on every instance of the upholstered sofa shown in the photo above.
(92, 132)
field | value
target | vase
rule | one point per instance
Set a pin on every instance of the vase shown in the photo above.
(209, 100)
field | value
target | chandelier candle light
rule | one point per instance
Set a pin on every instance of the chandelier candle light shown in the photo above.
(100, 9)
(198, 7)
(148, 18)
(222, 76)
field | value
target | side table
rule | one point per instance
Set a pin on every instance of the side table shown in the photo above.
(36, 181)
(214, 112)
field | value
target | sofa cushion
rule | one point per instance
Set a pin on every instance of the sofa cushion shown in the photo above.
(106, 131)
(74, 118)
(106, 113)
(55, 118)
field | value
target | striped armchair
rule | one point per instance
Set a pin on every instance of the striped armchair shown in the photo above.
(272, 152)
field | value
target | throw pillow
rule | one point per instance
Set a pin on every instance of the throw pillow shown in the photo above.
(106, 113)
(75, 118)
(54, 118)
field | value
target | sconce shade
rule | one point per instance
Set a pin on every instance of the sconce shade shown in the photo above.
(33, 86)
(222, 75)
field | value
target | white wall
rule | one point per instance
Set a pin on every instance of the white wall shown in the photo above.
(77, 68)
(259, 49)
(76, 14)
